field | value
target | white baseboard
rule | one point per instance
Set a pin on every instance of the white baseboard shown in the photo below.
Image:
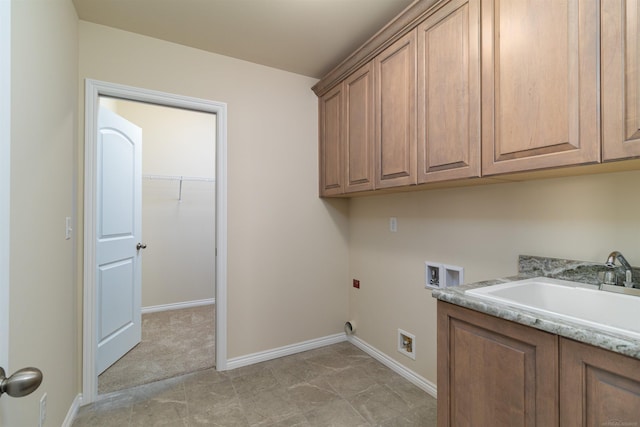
(73, 411)
(178, 305)
(263, 356)
(414, 378)
(402, 370)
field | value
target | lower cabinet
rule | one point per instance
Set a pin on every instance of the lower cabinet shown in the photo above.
(597, 387)
(493, 372)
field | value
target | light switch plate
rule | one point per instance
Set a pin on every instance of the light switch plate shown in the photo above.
(68, 228)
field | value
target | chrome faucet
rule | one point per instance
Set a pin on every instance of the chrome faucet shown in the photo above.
(611, 261)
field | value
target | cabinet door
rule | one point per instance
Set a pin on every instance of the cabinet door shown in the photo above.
(395, 70)
(620, 59)
(359, 132)
(492, 372)
(449, 93)
(597, 387)
(331, 142)
(539, 84)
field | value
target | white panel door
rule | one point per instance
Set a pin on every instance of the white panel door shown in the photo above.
(118, 200)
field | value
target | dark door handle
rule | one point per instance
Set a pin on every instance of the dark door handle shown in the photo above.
(141, 246)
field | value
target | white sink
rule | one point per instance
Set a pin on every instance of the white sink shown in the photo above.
(577, 302)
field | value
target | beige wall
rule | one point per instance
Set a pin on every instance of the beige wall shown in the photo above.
(482, 229)
(179, 263)
(43, 292)
(287, 249)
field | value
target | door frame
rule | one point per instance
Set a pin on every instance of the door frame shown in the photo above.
(5, 177)
(93, 90)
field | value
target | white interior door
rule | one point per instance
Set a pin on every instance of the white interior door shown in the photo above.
(118, 232)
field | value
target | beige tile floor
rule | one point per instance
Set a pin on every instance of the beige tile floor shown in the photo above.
(174, 342)
(337, 385)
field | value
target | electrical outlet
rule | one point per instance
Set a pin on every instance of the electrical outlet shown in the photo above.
(393, 224)
(43, 409)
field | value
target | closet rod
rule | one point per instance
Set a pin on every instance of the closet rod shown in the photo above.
(180, 178)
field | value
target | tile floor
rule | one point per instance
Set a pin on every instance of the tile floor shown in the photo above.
(174, 342)
(337, 385)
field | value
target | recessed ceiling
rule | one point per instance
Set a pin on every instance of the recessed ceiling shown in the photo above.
(308, 37)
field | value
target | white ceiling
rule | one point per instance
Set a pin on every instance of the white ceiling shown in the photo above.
(308, 37)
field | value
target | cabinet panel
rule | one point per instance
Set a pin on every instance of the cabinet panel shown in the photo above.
(620, 62)
(539, 77)
(395, 70)
(449, 93)
(597, 387)
(494, 372)
(359, 132)
(331, 142)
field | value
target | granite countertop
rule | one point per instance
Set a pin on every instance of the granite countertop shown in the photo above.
(549, 323)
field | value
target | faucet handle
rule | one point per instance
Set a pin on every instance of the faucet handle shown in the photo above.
(628, 279)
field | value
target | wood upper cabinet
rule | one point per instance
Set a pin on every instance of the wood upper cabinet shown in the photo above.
(331, 106)
(449, 93)
(620, 64)
(539, 84)
(466, 88)
(359, 130)
(395, 130)
(492, 372)
(597, 387)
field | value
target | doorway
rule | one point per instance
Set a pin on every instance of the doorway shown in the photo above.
(94, 91)
(178, 230)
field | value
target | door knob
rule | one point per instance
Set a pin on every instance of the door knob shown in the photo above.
(141, 246)
(23, 382)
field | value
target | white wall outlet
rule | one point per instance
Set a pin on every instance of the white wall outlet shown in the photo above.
(43, 409)
(393, 224)
(453, 275)
(433, 275)
(407, 344)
